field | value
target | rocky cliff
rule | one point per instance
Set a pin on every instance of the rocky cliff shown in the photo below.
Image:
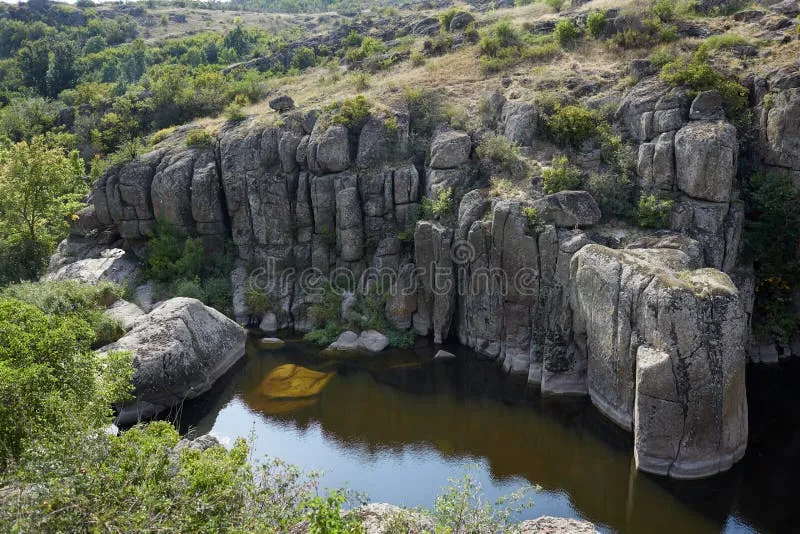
(649, 324)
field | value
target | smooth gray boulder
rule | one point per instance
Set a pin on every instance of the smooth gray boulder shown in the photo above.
(180, 349)
(705, 160)
(269, 323)
(568, 209)
(373, 341)
(282, 103)
(685, 399)
(347, 341)
(460, 21)
(449, 149)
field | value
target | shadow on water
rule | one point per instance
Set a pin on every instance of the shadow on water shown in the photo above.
(378, 410)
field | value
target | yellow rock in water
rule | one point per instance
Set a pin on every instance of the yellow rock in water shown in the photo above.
(289, 381)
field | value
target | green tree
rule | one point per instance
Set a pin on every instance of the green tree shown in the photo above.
(41, 187)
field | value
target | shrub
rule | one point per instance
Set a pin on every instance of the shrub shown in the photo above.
(566, 33)
(573, 125)
(596, 23)
(260, 302)
(699, 76)
(303, 58)
(533, 221)
(51, 382)
(498, 39)
(653, 212)
(503, 153)
(160, 135)
(439, 207)
(70, 297)
(561, 176)
(199, 138)
(353, 112)
(235, 113)
(360, 81)
(664, 10)
(324, 336)
(613, 192)
(772, 230)
(390, 125)
(445, 17)
(401, 339)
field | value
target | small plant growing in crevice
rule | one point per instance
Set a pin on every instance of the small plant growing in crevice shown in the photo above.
(533, 221)
(653, 211)
(561, 176)
(199, 138)
(501, 152)
(438, 207)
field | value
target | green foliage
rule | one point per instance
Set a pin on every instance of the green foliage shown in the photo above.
(438, 207)
(772, 231)
(596, 23)
(561, 176)
(199, 138)
(502, 153)
(353, 112)
(401, 339)
(653, 212)
(573, 125)
(533, 221)
(303, 58)
(51, 382)
(653, 31)
(160, 135)
(698, 75)
(41, 189)
(462, 508)
(446, 17)
(614, 193)
(73, 298)
(664, 10)
(235, 113)
(390, 125)
(368, 47)
(417, 59)
(325, 335)
(566, 33)
(325, 515)
(190, 267)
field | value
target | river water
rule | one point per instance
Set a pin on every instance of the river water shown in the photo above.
(398, 425)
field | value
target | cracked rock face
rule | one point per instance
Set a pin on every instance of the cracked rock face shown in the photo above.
(180, 349)
(665, 356)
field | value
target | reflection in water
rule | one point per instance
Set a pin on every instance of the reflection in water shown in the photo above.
(397, 425)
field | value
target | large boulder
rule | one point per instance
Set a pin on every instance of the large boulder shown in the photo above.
(328, 149)
(568, 209)
(449, 149)
(519, 121)
(780, 129)
(665, 352)
(180, 349)
(113, 265)
(705, 160)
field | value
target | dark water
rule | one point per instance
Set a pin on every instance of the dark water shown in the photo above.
(398, 425)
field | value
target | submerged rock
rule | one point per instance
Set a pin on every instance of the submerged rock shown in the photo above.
(293, 382)
(180, 349)
(271, 343)
(369, 341)
(443, 355)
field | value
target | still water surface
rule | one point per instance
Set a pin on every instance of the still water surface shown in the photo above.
(398, 425)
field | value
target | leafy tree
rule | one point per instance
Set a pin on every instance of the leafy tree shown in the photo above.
(40, 188)
(34, 60)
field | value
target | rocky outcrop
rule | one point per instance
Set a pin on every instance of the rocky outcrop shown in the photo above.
(112, 265)
(665, 353)
(180, 349)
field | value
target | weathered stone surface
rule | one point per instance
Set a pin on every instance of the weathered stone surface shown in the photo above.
(347, 341)
(568, 209)
(705, 160)
(556, 525)
(378, 144)
(180, 349)
(623, 302)
(519, 122)
(382, 518)
(449, 149)
(780, 129)
(282, 103)
(328, 149)
(269, 323)
(635, 112)
(271, 343)
(461, 180)
(436, 298)
(113, 265)
(372, 341)
(707, 106)
(125, 313)
(460, 21)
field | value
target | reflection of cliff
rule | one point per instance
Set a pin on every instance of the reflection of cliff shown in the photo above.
(454, 410)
